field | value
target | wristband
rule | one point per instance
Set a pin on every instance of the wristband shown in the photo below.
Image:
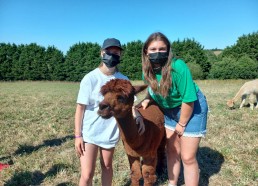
(77, 136)
(181, 124)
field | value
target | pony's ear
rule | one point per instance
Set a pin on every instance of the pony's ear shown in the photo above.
(139, 88)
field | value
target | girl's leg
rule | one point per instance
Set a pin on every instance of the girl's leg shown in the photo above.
(173, 156)
(106, 157)
(88, 163)
(189, 147)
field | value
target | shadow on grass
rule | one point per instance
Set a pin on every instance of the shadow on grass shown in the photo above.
(26, 149)
(6, 159)
(210, 162)
(36, 178)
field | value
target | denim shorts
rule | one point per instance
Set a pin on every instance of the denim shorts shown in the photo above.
(196, 126)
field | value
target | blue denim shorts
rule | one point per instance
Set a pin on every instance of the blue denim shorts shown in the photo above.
(196, 126)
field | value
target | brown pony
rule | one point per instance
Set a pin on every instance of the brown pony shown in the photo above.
(150, 146)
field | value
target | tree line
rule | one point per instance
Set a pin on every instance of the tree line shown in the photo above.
(34, 62)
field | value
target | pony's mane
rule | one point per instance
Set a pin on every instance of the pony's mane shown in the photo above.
(118, 85)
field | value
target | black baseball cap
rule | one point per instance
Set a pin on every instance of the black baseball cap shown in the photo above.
(109, 42)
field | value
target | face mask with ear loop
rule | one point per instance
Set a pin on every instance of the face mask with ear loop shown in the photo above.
(111, 60)
(158, 60)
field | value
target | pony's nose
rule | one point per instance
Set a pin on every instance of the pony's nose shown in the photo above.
(103, 106)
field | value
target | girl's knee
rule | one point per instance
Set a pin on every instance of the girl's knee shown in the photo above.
(87, 175)
(86, 178)
(188, 160)
(106, 166)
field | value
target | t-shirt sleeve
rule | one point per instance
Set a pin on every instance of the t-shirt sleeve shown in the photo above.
(185, 83)
(85, 90)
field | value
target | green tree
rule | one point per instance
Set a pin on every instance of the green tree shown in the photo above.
(245, 45)
(223, 69)
(54, 61)
(192, 52)
(18, 64)
(131, 64)
(211, 57)
(7, 56)
(230, 68)
(245, 68)
(30, 65)
(81, 59)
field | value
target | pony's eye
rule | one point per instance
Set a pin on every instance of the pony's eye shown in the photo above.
(121, 99)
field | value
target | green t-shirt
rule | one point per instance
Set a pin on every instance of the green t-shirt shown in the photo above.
(183, 87)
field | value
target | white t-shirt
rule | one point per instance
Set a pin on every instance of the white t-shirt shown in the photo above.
(95, 129)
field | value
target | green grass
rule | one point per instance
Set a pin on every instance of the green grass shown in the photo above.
(36, 137)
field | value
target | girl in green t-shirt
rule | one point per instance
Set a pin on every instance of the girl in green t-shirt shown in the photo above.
(184, 105)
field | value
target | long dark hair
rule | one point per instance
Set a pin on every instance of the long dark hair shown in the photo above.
(149, 75)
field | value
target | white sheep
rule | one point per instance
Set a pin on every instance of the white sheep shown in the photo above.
(249, 88)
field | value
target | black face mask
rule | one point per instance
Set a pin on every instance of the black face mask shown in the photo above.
(111, 60)
(158, 57)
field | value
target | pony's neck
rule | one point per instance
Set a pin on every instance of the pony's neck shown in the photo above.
(128, 129)
(238, 94)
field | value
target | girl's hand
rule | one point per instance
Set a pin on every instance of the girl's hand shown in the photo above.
(180, 129)
(79, 146)
(145, 103)
(139, 121)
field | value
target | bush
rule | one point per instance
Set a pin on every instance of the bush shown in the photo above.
(230, 68)
(192, 51)
(196, 70)
(223, 69)
(246, 68)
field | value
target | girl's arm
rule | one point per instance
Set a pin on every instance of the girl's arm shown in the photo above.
(146, 101)
(186, 112)
(79, 145)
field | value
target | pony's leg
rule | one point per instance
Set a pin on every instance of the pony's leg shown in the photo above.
(251, 106)
(256, 103)
(162, 159)
(243, 101)
(135, 166)
(148, 171)
(252, 100)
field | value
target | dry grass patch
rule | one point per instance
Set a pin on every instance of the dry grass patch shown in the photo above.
(36, 126)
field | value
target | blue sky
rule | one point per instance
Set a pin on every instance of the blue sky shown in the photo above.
(63, 23)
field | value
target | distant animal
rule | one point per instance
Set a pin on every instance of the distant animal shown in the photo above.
(252, 100)
(249, 88)
(150, 146)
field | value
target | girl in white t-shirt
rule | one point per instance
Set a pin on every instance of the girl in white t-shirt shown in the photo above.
(93, 133)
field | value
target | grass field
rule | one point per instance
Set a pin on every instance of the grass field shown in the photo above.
(36, 137)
